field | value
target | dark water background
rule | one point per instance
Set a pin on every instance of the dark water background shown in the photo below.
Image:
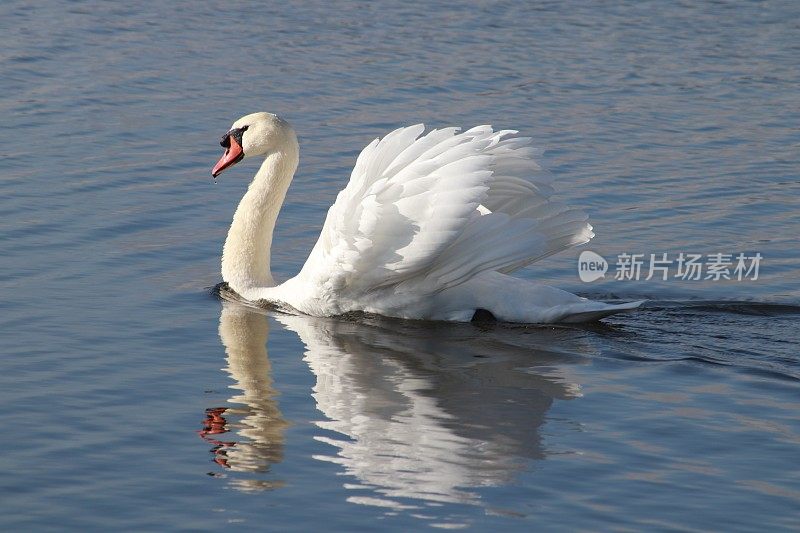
(133, 399)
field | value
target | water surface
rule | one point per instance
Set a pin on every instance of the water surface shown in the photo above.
(135, 399)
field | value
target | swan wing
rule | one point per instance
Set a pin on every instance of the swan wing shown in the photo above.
(427, 212)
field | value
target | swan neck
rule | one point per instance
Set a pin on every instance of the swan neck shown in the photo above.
(246, 255)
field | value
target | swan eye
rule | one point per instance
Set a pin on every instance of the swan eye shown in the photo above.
(236, 133)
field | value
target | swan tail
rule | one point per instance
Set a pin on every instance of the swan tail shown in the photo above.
(603, 312)
(511, 299)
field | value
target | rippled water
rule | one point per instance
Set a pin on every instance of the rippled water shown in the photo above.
(135, 399)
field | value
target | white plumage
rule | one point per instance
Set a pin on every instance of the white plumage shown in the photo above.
(429, 227)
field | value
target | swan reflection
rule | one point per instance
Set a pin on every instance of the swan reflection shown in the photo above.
(253, 414)
(413, 412)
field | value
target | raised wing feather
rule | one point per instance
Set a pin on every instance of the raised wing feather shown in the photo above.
(427, 213)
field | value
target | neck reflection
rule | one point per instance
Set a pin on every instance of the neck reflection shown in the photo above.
(247, 435)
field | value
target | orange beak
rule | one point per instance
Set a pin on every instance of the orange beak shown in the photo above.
(233, 154)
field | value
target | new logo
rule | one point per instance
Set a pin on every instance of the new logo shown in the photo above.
(591, 266)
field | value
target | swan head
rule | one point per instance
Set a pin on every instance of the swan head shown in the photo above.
(257, 134)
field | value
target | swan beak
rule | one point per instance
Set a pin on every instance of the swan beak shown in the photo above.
(233, 154)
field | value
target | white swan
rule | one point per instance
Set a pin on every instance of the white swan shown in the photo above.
(429, 227)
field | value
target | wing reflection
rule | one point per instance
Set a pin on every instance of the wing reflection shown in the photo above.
(253, 416)
(430, 411)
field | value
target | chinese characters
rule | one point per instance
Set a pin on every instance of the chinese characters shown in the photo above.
(688, 266)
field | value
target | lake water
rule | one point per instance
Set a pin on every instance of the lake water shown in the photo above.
(134, 399)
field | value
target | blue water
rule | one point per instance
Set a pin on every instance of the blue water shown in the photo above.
(134, 399)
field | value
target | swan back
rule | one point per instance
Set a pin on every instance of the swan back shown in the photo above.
(425, 213)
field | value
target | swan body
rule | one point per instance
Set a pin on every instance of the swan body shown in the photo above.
(428, 227)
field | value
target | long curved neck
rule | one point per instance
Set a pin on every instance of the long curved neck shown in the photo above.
(246, 255)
